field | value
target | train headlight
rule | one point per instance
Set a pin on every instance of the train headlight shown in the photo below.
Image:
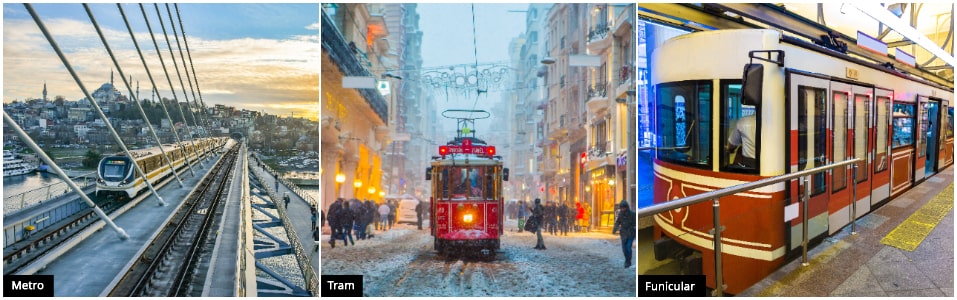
(467, 218)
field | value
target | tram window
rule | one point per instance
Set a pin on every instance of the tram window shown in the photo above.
(862, 104)
(812, 130)
(881, 159)
(739, 131)
(470, 183)
(903, 125)
(840, 139)
(684, 127)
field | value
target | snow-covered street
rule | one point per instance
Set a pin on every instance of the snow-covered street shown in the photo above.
(401, 262)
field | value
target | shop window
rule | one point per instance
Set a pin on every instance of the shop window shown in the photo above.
(684, 122)
(903, 123)
(739, 131)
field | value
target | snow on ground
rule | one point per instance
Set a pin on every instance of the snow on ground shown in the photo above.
(401, 262)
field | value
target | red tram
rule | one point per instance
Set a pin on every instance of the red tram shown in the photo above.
(466, 201)
(813, 107)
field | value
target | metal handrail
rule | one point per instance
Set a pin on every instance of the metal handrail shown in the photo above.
(687, 201)
(715, 196)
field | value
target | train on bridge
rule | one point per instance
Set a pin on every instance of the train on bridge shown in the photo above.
(116, 175)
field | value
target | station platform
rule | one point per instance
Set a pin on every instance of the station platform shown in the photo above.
(904, 248)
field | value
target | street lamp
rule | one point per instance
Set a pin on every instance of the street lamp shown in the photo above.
(340, 178)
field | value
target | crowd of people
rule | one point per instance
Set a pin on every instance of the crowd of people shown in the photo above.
(365, 218)
(557, 219)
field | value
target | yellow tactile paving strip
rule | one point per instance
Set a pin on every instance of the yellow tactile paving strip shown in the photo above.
(910, 233)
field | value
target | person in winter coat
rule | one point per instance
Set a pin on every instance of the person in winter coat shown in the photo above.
(347, 219)
(334, 224)
(538, 216)
(625, 222)
(522, 214)
(551, 217)
(419, 214)
(360, 226)
(369, 214)
(563, 219)
(579, 217)
(393, 207)
(384, 216)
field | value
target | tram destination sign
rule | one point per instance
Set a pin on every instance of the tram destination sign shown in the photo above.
(477, 150)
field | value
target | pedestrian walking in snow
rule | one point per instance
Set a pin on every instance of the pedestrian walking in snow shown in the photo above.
(393, 208)
(625, 222)
(538, 217)
(334, 225)
(522, 215)
(285, 198)
(419, 212)
(384, 216)
(312, 211)
(347, 219)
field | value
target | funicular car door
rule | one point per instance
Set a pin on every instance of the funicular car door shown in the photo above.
(807, 148)
(881, 181)
(847, 101)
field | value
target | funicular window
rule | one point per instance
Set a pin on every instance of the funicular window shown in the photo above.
(738, 131)
(924, 121)
(862, 105)
(839, 150)
(883, 106)
(950, 122)
(812, 130)
(903, 125)
(684, 114)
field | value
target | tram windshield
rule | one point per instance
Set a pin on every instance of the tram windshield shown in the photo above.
(112, 171)
(459, 183)
(684, 122)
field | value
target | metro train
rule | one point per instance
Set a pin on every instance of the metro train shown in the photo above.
(467, 202)
(810, 106)
(116, 175)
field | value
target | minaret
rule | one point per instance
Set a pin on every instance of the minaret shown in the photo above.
(111, 76)
(44, 91)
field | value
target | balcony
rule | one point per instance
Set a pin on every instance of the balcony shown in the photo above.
(597, 97)
(599, 37)
(626, 79)
(599, 155)
(335, 45)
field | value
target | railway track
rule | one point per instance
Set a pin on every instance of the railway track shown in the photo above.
(168, 265)
(21, 255)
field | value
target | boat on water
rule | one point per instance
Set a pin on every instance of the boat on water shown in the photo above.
(13, 165)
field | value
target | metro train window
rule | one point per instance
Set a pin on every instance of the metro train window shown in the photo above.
(881, 160)
(738, 131)
(113, 171)
(903, 125)
(812, 130)
(839, 151)
(862, 105)
(684, 122)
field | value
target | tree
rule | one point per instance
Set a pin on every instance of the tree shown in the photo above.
(92, 159)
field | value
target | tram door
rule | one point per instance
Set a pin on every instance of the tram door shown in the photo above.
(881, 158)
(807, 145)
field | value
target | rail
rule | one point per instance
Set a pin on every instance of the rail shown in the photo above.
(716, 197)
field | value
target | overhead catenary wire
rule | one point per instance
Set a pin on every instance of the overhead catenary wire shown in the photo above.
(180, 77)
(119, 69)
(155, 90)
(96, 107)
(169, 80)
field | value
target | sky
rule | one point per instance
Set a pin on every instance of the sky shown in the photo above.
(447, 39)
(262, 57)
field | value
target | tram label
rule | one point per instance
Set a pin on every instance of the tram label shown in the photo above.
(341, 285)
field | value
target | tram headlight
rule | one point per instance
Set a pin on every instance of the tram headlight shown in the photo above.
(467, 218)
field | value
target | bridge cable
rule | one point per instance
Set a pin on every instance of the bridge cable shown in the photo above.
(149, 74)
(204, 122)
(169, 80)
(181, 85)
(190, 56)
(99, 112)
(149, 125)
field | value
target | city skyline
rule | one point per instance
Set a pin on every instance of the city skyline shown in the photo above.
(260, 57)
